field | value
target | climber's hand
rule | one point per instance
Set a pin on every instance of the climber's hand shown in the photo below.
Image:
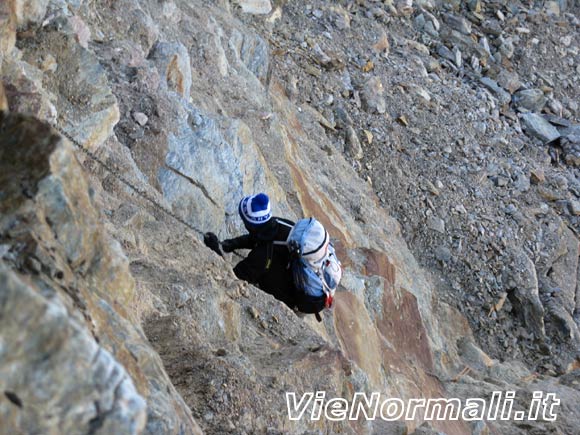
(212, 242)
(228, 245)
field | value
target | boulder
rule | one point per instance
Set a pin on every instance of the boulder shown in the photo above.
(536, 126)
(530, 99)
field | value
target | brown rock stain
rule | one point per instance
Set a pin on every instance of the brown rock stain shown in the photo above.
(174, 75)
(357, 335)
(326, 212)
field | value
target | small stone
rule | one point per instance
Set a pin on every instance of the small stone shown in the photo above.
(537, 176)
(403, 121)
(312, 70)
(48, 63)
(553, 8)
(522, 183)
(458, 23)
(353, 145)
(382, 45)
(443, 254)
(549, 194)
(502, 181)
(369, 136)
(221, 352)
(342, 117)
(502, 96)
(256, 7)
(373, 96)
(436, 224)
(508, 80)
(140, 118)
(254, 312)
(574, 207)
(474, 6)
(431, 188)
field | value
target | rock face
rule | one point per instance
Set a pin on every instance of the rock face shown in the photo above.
(82, 387)
(73, 357)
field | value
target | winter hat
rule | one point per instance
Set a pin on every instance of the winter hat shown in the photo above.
(255, 209)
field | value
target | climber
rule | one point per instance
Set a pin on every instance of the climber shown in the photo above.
(266, 266)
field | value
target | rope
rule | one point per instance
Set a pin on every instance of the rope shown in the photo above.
(117, 174)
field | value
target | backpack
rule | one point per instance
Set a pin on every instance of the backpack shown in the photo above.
(316, 270)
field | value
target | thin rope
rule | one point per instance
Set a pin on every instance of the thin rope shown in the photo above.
(117, 174)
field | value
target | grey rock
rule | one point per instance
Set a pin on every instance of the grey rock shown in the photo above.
(372, 96)
(251, 51)
(458, 23)
(208, 168)
(563, 320)
(443, 254)
(522, 183)
(570, 143)
(140, 118)
(142, 29)
(564, 266)
(256, 7)
(343, 119)
(507, 48)
(522, 285)
(533, 100)
(536, 126)
(574, 207)
(492, 27)
(445, 53)
(502, 96)
(509, 80)
(353, 145)
(436, 224)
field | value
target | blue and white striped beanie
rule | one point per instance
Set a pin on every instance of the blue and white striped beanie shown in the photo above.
(255, 209)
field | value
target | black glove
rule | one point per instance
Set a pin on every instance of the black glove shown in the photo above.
(212, 242)
(228, 245)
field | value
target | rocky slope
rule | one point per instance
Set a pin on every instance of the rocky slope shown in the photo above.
(116, 319)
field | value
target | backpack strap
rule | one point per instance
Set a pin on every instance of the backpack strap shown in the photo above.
(280, 242)
(286, 224)
(269, 255)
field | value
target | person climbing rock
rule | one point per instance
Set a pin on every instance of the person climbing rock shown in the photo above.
(266, 265)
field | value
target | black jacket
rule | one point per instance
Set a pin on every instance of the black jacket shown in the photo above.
(266, 266)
